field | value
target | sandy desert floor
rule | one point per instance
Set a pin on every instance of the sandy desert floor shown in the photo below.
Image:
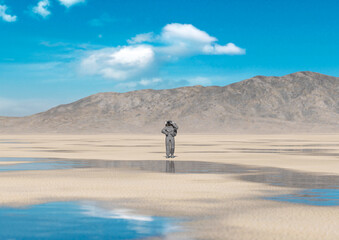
(228, 205)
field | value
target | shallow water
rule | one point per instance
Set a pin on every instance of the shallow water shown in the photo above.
(37, 164)
(267, 175)
(316, 197)
(79, 220)
(299, 150)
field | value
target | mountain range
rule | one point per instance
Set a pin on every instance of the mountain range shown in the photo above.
(302, 102)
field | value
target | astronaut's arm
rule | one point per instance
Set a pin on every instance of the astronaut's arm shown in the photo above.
(164, 131)
(175, 125)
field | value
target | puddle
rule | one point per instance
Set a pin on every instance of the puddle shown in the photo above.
(325, 187)
(198, 145)
(268, 175)
(126, 146)
(292, 179)
(37, 164)
(165, 166)
(58, 151)
(308, 145)
(315, 197)
(206, 152)
(293, 151)
(80, 220)
(181, 167)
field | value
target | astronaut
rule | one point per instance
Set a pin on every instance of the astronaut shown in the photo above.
(170, 130)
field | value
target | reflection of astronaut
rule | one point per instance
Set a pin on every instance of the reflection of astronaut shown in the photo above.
(170, 130)
(170, 167)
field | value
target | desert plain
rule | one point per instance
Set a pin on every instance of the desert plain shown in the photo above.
(231, 204)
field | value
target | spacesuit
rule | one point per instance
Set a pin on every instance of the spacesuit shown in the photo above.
(170, 130)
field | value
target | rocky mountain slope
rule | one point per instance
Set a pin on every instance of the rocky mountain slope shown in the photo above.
(298, 102)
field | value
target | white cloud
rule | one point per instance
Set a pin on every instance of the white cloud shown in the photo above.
(6, 17)
(229, 48)
(187, 40)
(118, 63)
(42, 8)
(146, 51)
(69, 3)
(148, 82)
(185, 32)
(140, 38)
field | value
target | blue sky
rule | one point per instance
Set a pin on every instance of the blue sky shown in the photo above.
(57, 51)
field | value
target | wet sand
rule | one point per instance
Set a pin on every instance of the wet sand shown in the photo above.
(216, 206)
